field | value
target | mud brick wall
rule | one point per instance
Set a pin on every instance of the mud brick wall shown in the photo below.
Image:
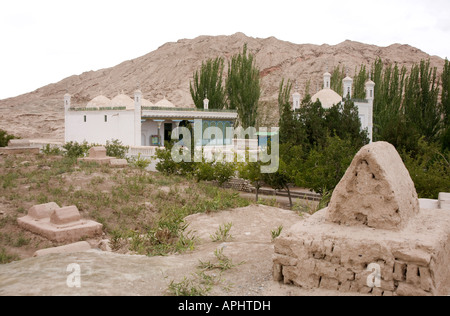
(328, 258)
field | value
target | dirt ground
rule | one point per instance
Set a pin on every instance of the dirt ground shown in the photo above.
(250, 250)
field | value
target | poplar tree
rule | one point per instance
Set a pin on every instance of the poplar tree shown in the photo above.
(420, 101)
(207, 83)
(445, 106)
(337, 76)
(359, 84)
(243, 87)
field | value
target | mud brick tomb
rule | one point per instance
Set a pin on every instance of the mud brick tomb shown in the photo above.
(374, 237)
(59, 224)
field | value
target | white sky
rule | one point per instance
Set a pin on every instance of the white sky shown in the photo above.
(45, 41)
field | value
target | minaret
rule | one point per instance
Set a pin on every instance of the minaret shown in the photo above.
(348, 85)
(327, 80)
(137, 117)
(67, 103)
(370, 90)
(296, 98)
(206, 103)
(370, 95)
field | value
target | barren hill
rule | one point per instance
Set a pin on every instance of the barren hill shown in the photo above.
(168, 70)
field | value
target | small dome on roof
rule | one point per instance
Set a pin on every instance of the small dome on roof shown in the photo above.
(123, 100)
(146, 103)
(327, 97)
(99, 102)
(347, 79)
(164, 103)
(370, 83)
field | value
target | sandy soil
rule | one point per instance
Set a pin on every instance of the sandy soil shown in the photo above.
(103, 273)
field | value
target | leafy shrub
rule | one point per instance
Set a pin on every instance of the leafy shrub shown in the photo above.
(5, 138)
(165, 162)
(116, 149)
(204, 171)
(429, 169)
(139, 162)
(51, 150)
(76, 150)
(223, 171)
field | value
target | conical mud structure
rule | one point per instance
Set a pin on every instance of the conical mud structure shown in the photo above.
(373, 237)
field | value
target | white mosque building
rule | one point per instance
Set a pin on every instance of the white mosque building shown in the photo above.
(137, 122)
(329, 97)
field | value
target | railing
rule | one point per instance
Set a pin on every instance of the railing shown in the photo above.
(116, 108)
(155, 108)
(145, 151)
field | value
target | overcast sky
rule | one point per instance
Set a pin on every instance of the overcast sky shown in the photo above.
(45, 41)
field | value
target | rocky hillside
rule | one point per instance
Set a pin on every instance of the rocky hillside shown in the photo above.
(168, 70)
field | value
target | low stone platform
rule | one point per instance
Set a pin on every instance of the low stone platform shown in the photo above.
(59, 224)
(98, 155)
(19, 146)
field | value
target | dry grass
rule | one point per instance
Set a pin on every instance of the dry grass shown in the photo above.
(141, 211)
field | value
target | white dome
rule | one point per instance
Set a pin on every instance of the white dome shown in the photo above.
(146, 103)
(164, 103)
(99, 102)
(123, 100)
(327, 97)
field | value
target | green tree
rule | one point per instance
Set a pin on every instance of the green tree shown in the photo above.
(359, 83)
(420, 101)
(325, 165)
(343, 120)
(243, 87)
(312, 120)
(251, 171)
(208, 83)
(291, 130)
(445, 106)
(429, 169)
(337, 75)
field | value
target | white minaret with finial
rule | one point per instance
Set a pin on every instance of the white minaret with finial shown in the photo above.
(296, 98)
(370, 95)
(348, 86)
(206, 102)
(67, 104)
(327, 80)
(137, 117)
(370, 89)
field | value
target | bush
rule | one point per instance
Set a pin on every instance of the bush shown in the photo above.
(165, 162)
(224, 171)
(116, 149)
(51, 150)
(76, 150)
(204, 171)
(325, 166)
(429, 169)
(139, 162)
(5, 138)
(167, 165)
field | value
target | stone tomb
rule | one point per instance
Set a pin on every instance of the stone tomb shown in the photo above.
(59, 224)
(98, 155)
(19, 146)
(373, 238)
